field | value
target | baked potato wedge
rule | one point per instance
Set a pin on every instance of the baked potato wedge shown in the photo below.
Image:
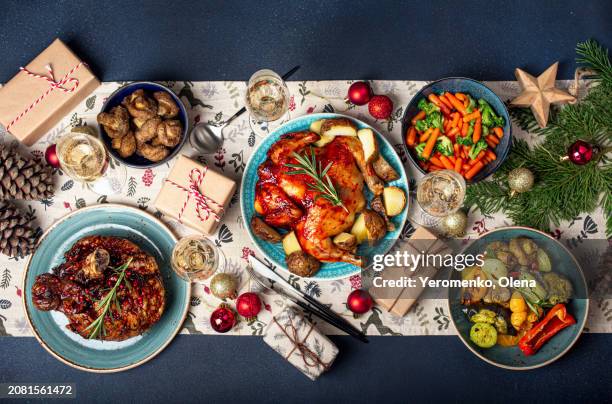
(395, 200)
(345, 241)
(316, 126)
(383, 169)
(369, 144)
(359, 229)
(290, 243)
(378, 206)
(338, 127)
(375, 225)
(264, 231)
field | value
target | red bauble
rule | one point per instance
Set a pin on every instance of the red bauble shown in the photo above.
(51, 156)
(359, 301)
(222, 319)
(248, 305)
(359, 93)
(380, 107)
(580, 152)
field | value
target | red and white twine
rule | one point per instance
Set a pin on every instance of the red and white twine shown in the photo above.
(53, 85)
(196, 176)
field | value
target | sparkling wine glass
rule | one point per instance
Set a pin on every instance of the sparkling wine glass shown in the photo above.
(196, 258)
(267, 100)
(84, 158)
(438, 194)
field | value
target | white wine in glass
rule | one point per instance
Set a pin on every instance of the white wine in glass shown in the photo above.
(83, 158)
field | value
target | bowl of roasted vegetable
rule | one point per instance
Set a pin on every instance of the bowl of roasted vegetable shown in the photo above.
(526, 305)
(457, 124)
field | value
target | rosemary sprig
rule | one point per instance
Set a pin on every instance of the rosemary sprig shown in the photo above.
(97, 326)
(322, 182)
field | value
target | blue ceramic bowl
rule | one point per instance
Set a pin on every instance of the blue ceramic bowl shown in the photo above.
(274, 251)
(564, 263)
(149, 87)
(106, 356)
(477, 90)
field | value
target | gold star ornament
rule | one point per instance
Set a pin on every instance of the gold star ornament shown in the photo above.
(539, 92)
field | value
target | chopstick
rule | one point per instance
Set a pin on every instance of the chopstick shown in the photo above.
(326, 315)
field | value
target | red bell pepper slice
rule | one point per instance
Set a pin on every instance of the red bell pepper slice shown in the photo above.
(555, 320)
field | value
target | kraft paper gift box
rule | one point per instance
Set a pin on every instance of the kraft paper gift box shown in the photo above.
(300, 343)
(31, 104)
(175, 201)
(396, 300)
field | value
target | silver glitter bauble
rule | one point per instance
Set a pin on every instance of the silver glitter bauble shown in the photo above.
(454, 224)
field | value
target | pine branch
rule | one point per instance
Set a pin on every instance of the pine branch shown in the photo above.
(591, 54)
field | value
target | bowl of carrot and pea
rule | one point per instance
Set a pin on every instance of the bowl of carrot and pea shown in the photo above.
(457, 124)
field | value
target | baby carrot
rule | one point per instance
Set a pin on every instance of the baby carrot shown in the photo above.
(456, 103)
(477, 130)
(452, 159)
(479, 157)
(464, 128)
(435, 168)
(453, 131)
(446, 102)
(446, 162)
(455, 122)
(473, 115)
(474, 170)
(498, 131)
(431, 142)
(456, 149)
(458, 164)
(411, 136)
(434, 98)
(494, 139)
(436, 162)
(418, 117)
(489, 142)
(491, 155)
(425, 135)
(461, 96)
(446, 124)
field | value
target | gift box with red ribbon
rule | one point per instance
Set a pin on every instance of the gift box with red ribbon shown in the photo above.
(43, 92)
(195, 195)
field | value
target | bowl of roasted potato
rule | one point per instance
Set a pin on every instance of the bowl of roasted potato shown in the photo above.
(143, 124)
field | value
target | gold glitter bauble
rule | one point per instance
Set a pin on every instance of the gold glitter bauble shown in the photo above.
(224, 286)
(520, 180)
(454, 224)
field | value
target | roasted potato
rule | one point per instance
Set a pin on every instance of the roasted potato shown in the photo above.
(290, 243)
(378, 206)
(383, 169)
(302, 264)
(338, 127)
(316, 126)
(264, 231)
(359, 230)
(369, 144)
(323, 140)
(395, 200)
(375, 225)
(345, 241)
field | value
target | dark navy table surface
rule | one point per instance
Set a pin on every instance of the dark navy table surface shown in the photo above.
(224, 40)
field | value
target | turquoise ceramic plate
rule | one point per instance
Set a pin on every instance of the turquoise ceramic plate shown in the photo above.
(274, 252)
(108, 356)
(564, 263)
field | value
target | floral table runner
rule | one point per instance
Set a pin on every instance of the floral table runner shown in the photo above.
(214, 102)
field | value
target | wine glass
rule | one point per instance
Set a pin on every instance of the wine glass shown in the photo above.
(439, 193)
(267, 100)
(84, 158)
(196, 258)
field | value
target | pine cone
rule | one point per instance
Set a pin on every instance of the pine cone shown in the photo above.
(22, 178)
(17, 237)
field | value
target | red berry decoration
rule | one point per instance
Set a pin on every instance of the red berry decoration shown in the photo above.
(222, 319)
(380, 107)
(51, 156)
(359, 93)
(580, 152)
(359, 301)
(248, 305)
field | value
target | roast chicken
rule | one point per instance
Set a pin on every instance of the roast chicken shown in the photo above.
(287, 201)
(77, 286)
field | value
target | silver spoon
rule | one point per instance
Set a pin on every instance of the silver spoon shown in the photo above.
(208, 139)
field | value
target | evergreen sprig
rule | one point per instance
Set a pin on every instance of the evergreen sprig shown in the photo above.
(562, 190)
